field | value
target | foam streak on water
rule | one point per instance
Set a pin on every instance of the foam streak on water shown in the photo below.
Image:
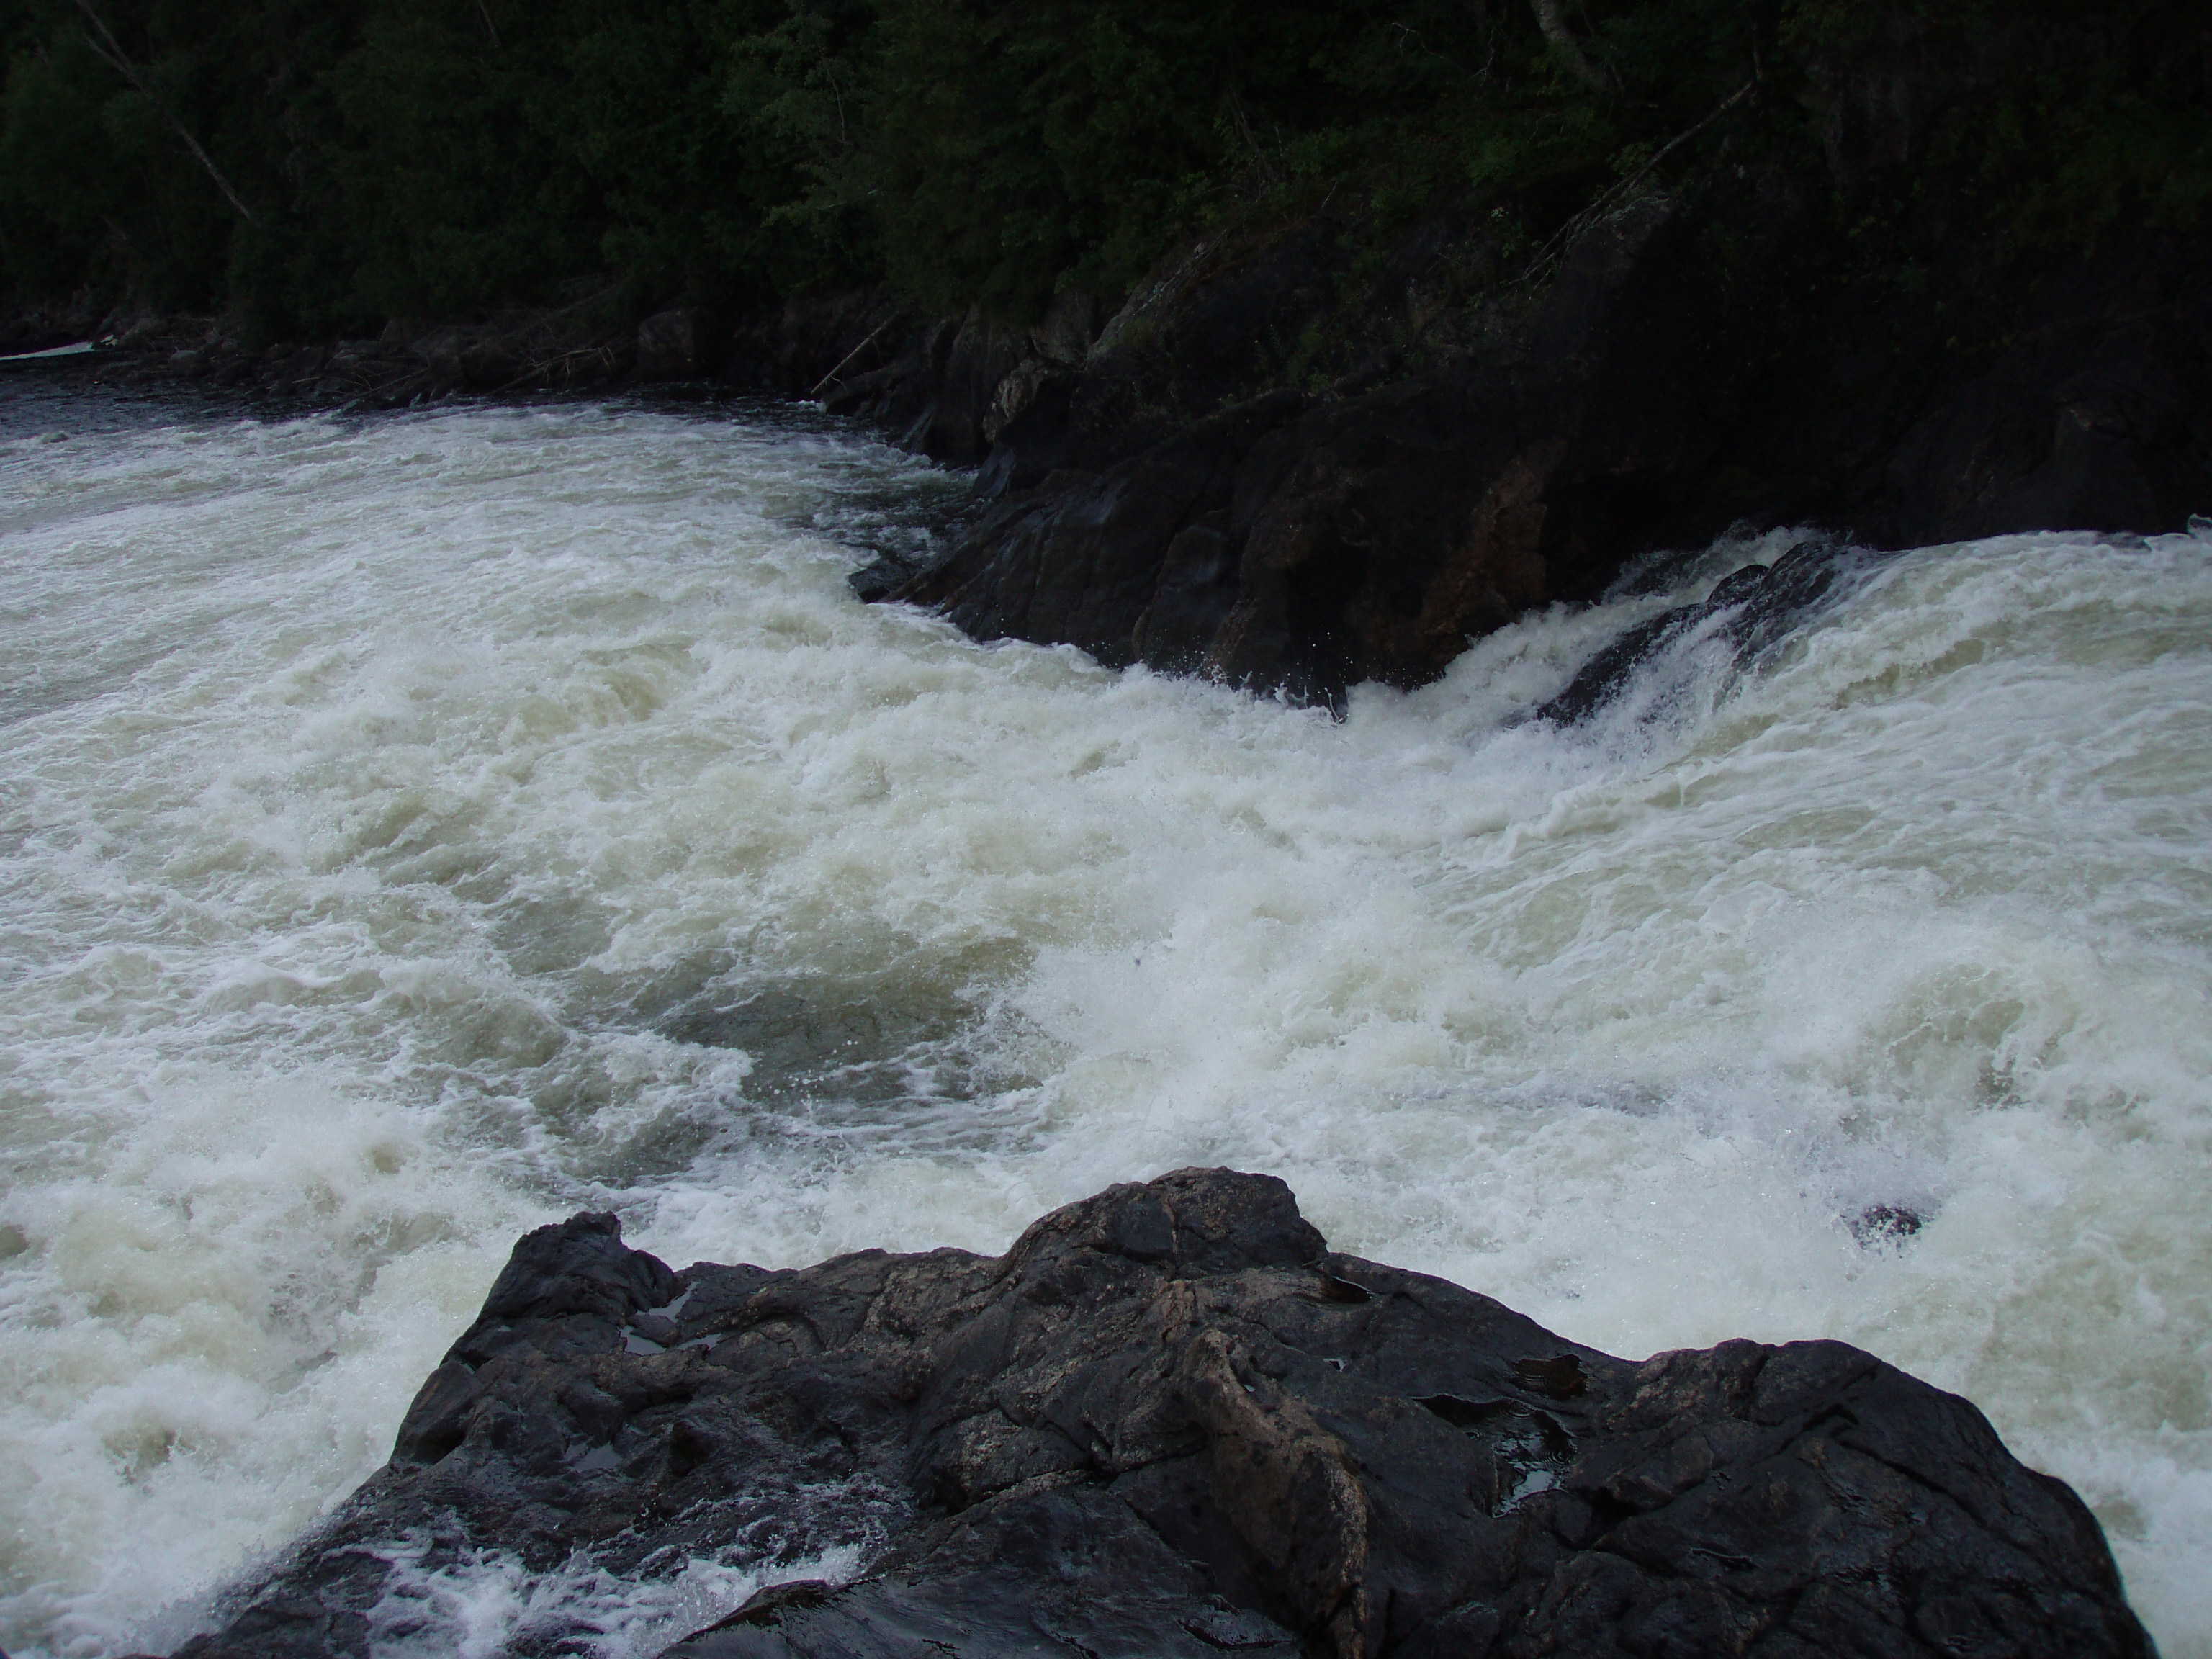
(416, 829)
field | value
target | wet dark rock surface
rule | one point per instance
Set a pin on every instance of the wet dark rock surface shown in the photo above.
(1170, 1422)
(1291, 473)
(1746, 615)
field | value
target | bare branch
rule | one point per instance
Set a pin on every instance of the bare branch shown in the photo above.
(1549, 255)
(1269, 174)
(853, 353)
(115, 57)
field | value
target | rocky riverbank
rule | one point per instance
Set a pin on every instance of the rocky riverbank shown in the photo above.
(408, 363)
(1394, 376)
(1170, 1421)
(1457, 445)
(1290, 462)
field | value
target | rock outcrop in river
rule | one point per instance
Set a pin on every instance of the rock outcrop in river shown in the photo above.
(1307, 453)
(1169, 1421)
(1293, 471)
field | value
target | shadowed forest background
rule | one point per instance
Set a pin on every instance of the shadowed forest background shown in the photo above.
(319, 166)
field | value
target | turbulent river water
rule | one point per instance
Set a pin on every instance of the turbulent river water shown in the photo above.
(415, 828)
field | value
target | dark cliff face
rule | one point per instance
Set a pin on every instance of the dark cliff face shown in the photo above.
(1321, 451)
(1498, 444)
(1168, 1421)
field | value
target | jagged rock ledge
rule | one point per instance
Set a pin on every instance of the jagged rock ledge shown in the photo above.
(1169, 1421)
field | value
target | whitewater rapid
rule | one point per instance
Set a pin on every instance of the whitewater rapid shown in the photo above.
(418, 827)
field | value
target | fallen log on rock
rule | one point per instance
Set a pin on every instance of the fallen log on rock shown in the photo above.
(1169, 1421)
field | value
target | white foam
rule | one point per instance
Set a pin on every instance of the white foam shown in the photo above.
(387, 801)
(478, 1606)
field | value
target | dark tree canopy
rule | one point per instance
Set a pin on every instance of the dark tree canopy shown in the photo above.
(320, 166)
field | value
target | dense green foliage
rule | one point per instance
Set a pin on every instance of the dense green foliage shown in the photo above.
(323, 166)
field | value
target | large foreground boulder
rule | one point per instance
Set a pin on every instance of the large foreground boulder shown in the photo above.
(1169, 1421)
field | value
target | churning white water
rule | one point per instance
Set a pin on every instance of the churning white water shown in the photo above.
(417, 828)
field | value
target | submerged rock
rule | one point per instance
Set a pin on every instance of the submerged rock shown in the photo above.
(1170, 1421)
